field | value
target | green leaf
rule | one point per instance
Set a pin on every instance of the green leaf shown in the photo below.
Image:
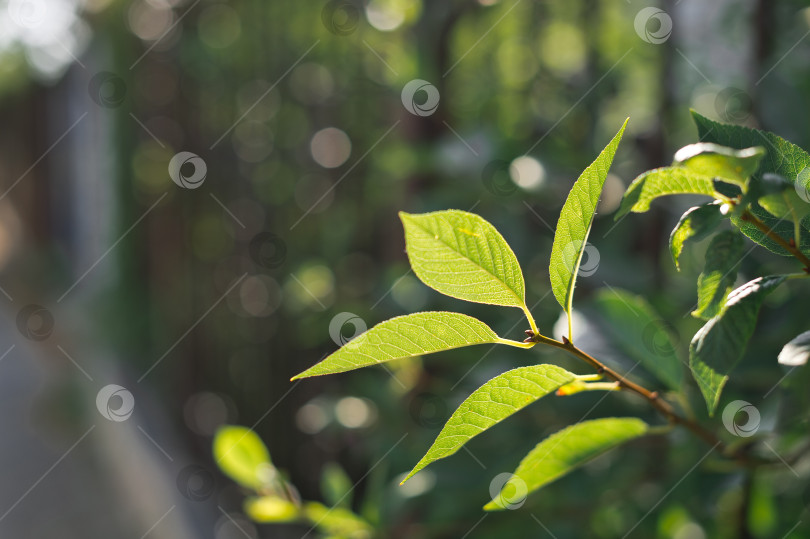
(697, 223)
(574, 225)
(337, 521)
(783, 158)
(786, 205)
(661, 182)
(242, 455)
(492, 403)
(797, 351)
(780, 226)
(461, 255)
(405, 336)
(720, 343)
(641, 334)
(720, 273)
(722, 162)
(336, 486)
(568, 449)
(266, 509)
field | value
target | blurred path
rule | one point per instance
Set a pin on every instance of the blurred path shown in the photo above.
(67, 472)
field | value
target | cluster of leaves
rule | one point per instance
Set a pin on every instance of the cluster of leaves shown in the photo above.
(757, 189)
(241, 455)
(463, 256)
(760, 183)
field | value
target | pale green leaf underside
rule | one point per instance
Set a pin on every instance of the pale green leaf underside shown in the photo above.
(786, 205)
(661, 182)
(640, 333)
(491, 403)
(797, 351)
(719, 274)
(405, 336)
(570, 448)
(720, 343)
(463, 256)
(575, 222)
(729, 164)
(695, 224)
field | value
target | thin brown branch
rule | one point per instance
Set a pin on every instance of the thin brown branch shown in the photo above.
(653, 398)
(749, 217)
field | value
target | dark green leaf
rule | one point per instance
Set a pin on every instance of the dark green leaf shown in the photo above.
(697, 223)
(641, 334)
(719, 274)
(782, 158)
(720, 343)
(781, 226)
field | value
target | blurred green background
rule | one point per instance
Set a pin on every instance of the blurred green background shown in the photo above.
(203, 302)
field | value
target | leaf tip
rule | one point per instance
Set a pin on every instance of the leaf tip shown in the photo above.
(492, 506)
(303, 374)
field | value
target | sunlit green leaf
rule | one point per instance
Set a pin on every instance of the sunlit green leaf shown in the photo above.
(797, 351)
(722, 162)
(720, 343)
(266, 509)
(491, 403)
(661, 182)
(405, 336)
(462, 255)
(242, 455)
(337, 521)
(568, 449)
(575, 222)
(697, 223)
(719, 274)
(641, 334)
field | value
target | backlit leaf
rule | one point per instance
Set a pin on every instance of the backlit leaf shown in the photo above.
(575, 222)
(242, 455)
(405, 336)
(568, 449)
(461, 255)
(491, 403)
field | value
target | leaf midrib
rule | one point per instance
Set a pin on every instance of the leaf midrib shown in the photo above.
(461, 255)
